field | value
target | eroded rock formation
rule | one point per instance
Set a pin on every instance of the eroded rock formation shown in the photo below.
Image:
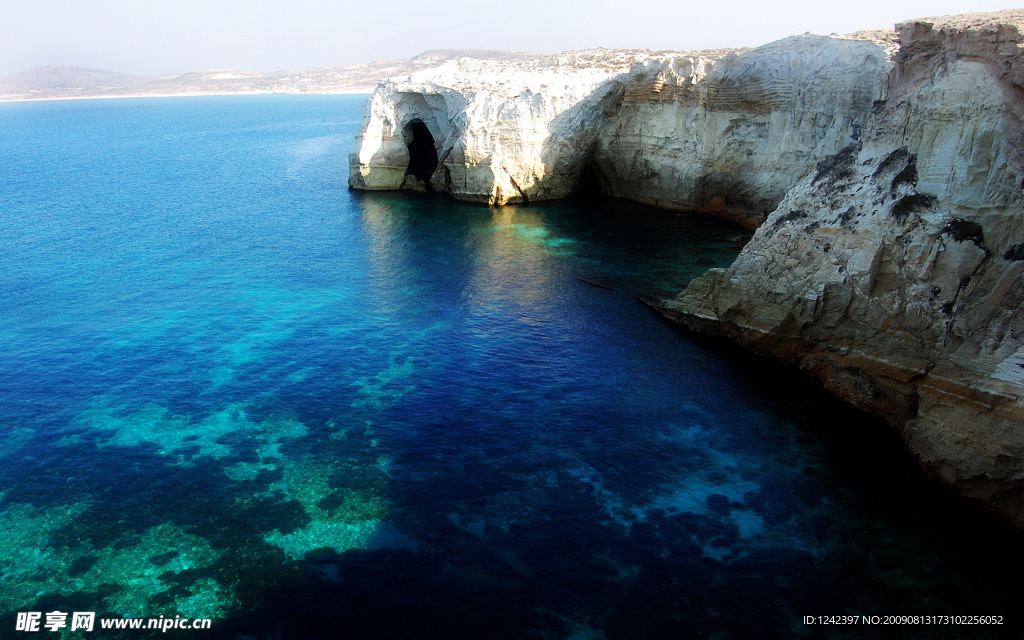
(504, 131)
(884, 171)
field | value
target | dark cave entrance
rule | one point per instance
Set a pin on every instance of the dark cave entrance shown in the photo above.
(591, 183)
(422, 154)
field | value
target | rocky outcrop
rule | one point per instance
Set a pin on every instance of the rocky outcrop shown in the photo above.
(502, 131)
(892, 272)
(884, 173)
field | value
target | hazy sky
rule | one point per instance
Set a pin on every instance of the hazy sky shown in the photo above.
(173, 36)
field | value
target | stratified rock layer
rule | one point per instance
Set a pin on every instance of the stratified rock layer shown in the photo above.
(884, 171)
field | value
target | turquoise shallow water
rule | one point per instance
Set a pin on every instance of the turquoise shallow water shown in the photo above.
(231, 388)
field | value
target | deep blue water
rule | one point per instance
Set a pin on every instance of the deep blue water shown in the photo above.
(231, 388)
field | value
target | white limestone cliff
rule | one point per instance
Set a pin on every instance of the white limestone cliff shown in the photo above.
(503, 131)
(884, 171)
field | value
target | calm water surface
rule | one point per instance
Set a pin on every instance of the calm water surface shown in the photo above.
(231, 388)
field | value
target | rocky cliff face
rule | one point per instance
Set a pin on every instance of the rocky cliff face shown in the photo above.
(893, 271)
(884, 172)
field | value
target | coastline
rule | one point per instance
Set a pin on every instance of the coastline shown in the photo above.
(353, 92)
(878, 169)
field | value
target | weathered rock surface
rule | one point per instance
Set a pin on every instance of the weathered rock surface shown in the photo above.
(892, 169)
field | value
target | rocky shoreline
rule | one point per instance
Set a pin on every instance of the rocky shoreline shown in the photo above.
(882, 171)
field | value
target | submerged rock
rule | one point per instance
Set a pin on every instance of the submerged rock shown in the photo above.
(883, 171)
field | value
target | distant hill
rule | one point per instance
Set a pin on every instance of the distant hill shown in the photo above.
(440, 55)
(67, 78)
(54, 83)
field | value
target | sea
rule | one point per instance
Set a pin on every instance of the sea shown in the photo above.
(234, 391)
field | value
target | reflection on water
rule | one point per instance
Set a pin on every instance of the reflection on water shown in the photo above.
(230, 388)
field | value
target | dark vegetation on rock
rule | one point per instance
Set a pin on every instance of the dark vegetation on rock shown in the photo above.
(909, 204)
(837, 167)
(964, 230)
(785, 219)
(1016, 252)
(907, 176)
(894, 158)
